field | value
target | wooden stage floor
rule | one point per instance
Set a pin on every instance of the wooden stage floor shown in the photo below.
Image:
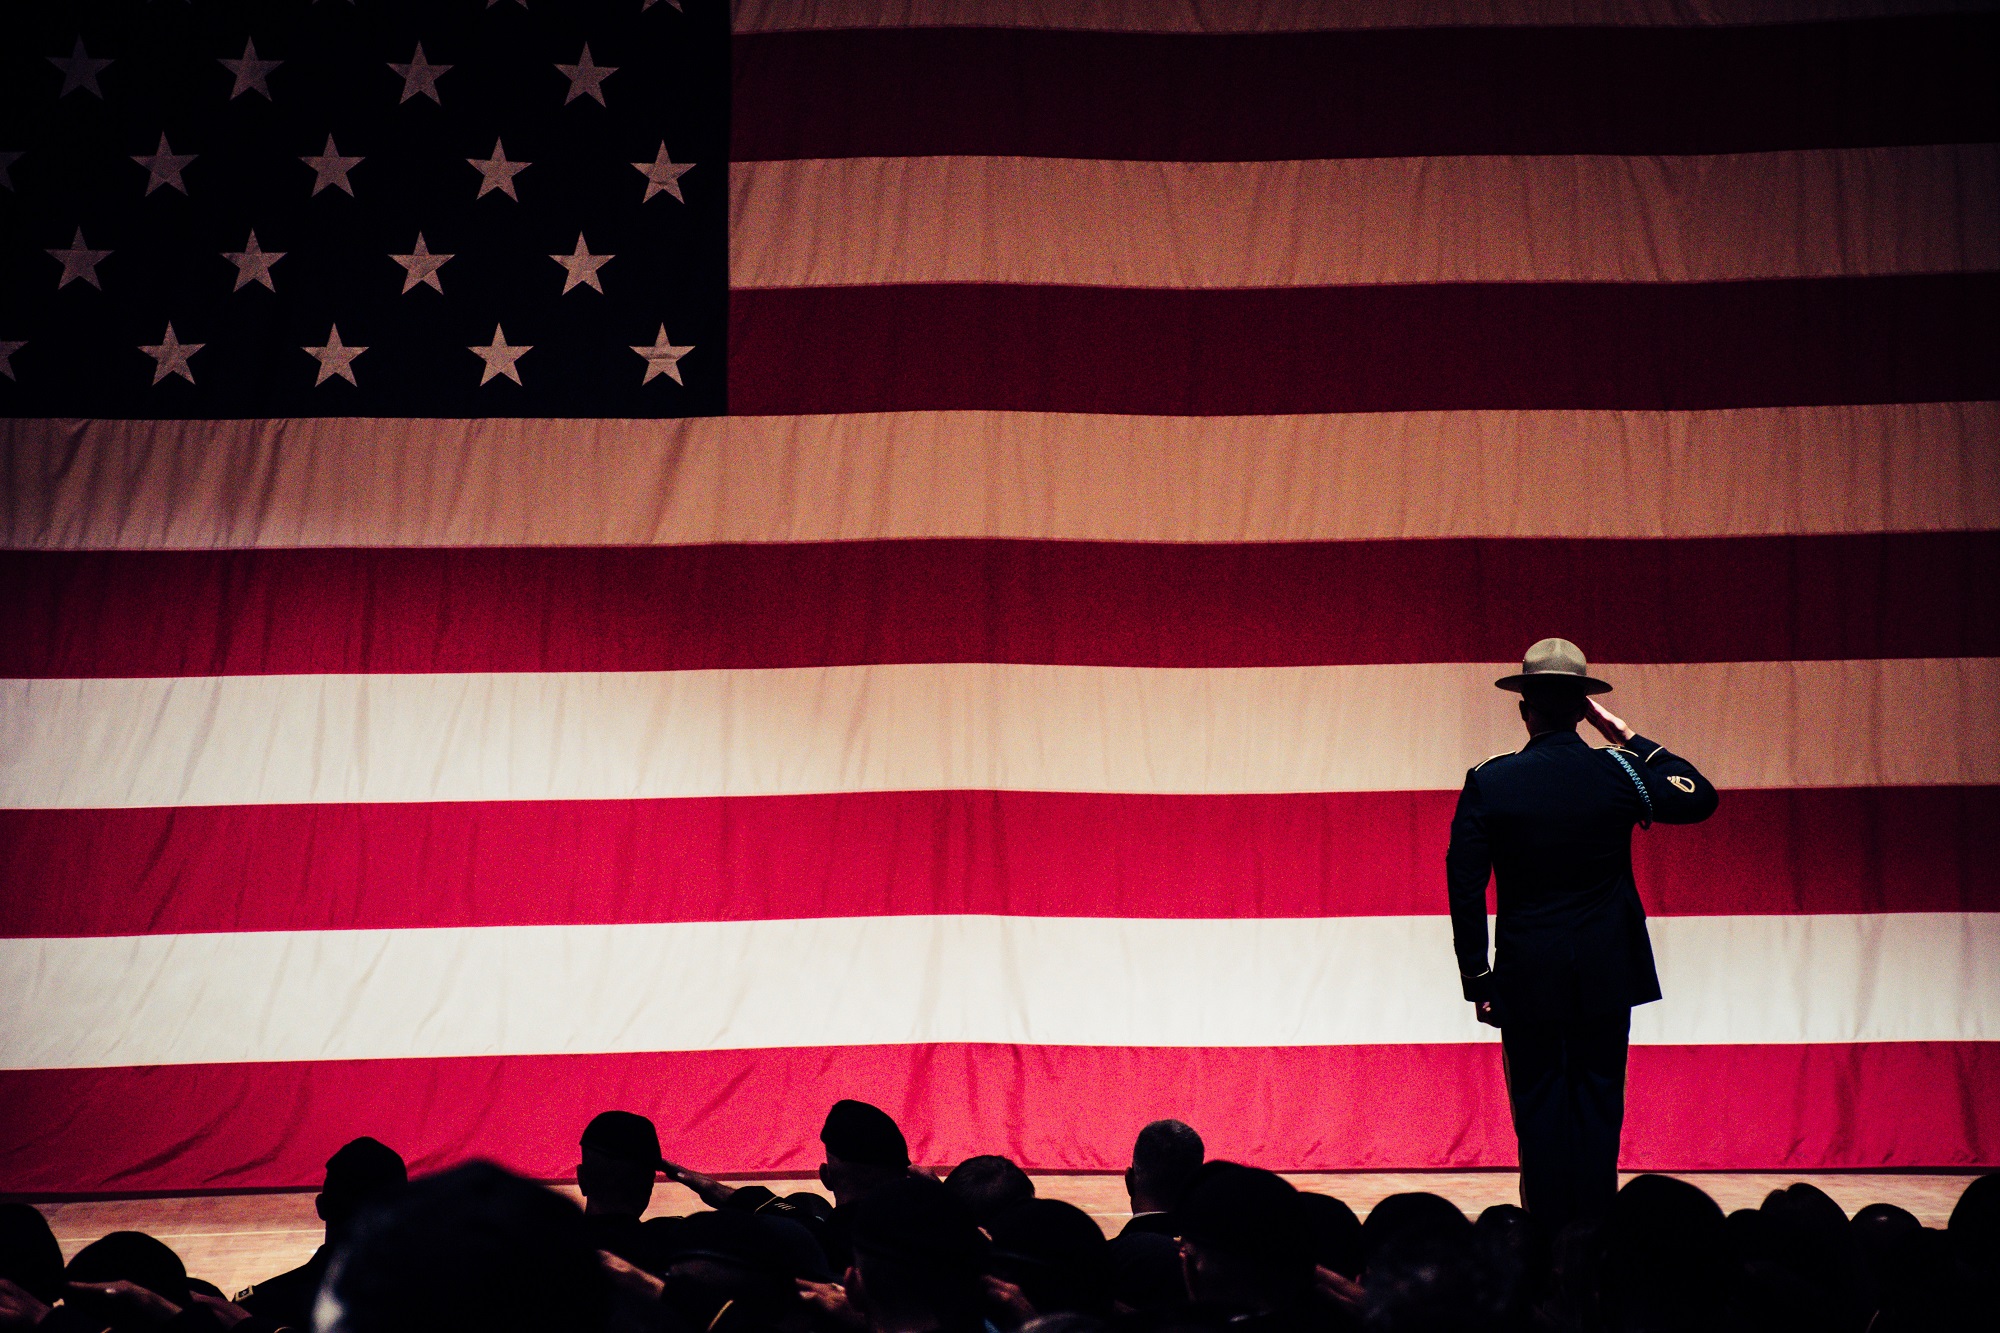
(235, 1240)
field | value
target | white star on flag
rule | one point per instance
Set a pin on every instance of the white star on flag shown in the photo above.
(330, 168)
(164, 166)
(497, 173)
(79, 70)
(253, 264)
(663, 175)
(586, 76)
(9, 346)
(79, 261)
(500, 358)
(645, 5)
(581, 266)
(7, 161)
(250, 72)
(662, 358)
(334, 358)
(421, 266)
(420, 76)
(170, 356)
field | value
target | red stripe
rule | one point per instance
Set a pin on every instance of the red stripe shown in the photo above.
(1658, 346)
(1056, 1108)
(1383, 93)
(334, 867)
(181, 613)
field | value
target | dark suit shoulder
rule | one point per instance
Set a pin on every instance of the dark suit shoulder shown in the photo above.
(1492, 759)
(1157, 1224)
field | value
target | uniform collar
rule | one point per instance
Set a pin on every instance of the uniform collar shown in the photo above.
(1555, 738)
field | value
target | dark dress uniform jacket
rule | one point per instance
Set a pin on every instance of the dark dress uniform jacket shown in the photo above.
(1553, 825)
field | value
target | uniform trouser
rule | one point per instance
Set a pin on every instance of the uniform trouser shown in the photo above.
(1566, 1082)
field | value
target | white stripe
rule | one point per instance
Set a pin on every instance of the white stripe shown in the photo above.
(1219, 16)
(234, 740)
(518, 990)
(400, 482)
(1847, 212)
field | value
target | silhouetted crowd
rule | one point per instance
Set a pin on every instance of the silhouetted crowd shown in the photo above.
(1212, 1247)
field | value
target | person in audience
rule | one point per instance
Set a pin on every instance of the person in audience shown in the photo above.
(30, 1258)
(476, 1247)
(1053, 1254)
(1511, 1255)
(918, 1257)
(1824, 1273)
(364, 1173)
(1552, 826)
(1667, 1261)
(621, 1154)
(864, 1151)
(1246, 1248)
(1413, 1212)
(1974, 1229)
(1335, 1232)
(1165, 1158)
(1143, 1269)
(989, 1185)
(732, 1271)
(129, 1281)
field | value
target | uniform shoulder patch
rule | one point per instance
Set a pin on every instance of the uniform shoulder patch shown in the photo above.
(1683, 784)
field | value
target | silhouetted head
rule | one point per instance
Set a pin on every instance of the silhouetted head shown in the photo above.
(473, 1247)
(1335, 1232)
(364, 1173)
(1413, 1212)
(621, 1153)
(864, 1151)
(30, 1258)
(1551, 707)
(918, 1256)
(1975, 1226)
(730, 1270)
(1513, 1253)
(1879, 1229)
(1245, 1239)
(126, 1256)
(1667, 1252)
(1165, 1157)
(1054, 1252)
(988, 1186)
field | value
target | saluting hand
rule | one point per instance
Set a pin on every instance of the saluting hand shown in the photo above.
(1609, 725)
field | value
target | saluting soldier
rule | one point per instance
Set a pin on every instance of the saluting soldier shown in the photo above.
(1552, 826)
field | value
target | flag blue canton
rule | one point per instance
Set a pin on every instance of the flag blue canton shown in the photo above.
(209, 211)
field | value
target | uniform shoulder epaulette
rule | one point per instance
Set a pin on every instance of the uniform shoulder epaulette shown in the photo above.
(1491, 757)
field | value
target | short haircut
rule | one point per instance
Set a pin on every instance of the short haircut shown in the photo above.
(1557, 700)
(364, 1172)
(1166, 1156)
(625, 1136)
(29, 1254)
(989, 1185)
(865, 1135)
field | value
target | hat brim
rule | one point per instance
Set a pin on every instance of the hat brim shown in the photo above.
(1519, 682)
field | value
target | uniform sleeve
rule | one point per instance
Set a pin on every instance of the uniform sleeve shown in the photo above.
(1681, 795)
(1468, 864)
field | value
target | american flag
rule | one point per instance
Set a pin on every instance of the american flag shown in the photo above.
(954, 552)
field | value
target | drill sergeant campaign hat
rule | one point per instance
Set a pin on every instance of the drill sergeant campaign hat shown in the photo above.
(1554, 663)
